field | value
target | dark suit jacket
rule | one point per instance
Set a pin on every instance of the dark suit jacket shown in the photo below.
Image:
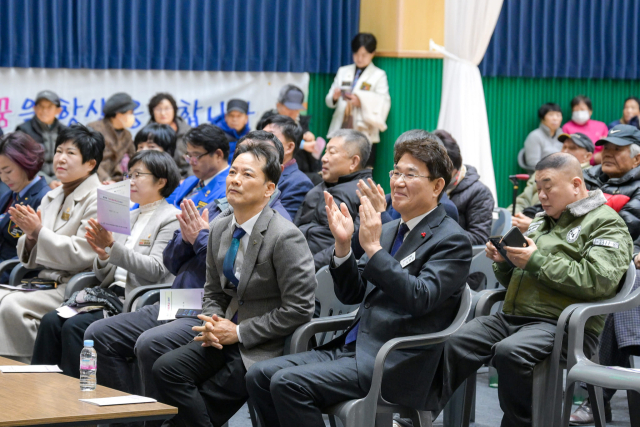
(423, 297)
(275, 295)
(294, 186)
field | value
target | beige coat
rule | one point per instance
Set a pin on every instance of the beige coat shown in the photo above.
(372, 88)
(63, 251)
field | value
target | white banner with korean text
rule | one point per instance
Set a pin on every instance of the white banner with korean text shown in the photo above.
(200, 95)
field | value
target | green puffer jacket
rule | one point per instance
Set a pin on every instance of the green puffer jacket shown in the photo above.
(581, 257)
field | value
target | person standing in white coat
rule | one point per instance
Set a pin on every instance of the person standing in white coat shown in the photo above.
(360, 94)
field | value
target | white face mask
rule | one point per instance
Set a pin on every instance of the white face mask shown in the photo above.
(580, 117)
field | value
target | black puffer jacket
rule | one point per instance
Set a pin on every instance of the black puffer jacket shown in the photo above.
(628, 185)
(311, 218)
(475, 205)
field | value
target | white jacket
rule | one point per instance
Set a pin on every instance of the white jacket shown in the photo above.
(372, 88)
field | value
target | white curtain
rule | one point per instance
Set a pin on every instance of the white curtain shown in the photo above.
(468, 26)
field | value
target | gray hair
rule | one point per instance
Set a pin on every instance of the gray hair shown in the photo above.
(634, 150)
(355, 143)
(418, 135)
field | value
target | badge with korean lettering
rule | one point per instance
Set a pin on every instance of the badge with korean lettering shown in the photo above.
(573, 234)
(532, 228)
(606, 243)
(408, 260)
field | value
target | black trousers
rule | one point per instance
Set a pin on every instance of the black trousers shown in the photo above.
(207, 385)
(291, 390)
(60, 341)
(513, 345)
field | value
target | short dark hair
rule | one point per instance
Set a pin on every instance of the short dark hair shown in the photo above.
(633, 98)
(417, 135)
(89, 142)
(162, 135)
(358, 140)
(161, 165)
(432, 154)
(367, 40)
(261, 135)
(452, 147)
(579, 99)
(209, 137)
(157, 99)
(291, 130)
(548, 108)
(262, 150)
(24, 151)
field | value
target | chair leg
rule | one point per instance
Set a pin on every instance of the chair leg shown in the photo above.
(421, 418)
(568, 402)
(469, 410)
(455, 407)
(332, 421)
(633, 397)
(595, 395)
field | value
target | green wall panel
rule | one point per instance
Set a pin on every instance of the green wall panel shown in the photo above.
(512, 109)
(415, 86)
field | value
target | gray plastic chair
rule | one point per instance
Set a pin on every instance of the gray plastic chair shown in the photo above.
(373, 407)
(580, 368)
(8, 265)
(79, 282)
(547, 375)
(19, 272)
(499, 226)
(481, 264)
(144, 295)
(522, 161)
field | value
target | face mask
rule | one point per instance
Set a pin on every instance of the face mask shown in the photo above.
(580, 117)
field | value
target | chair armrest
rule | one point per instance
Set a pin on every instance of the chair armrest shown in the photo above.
(80, 281)
(487, 299)
(476, 249)
(18, 273)
(139, 291)
(303, 334)
(8, 265)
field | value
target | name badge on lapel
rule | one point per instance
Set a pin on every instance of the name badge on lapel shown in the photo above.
(408, 260)
(145, 242)
(66, 215)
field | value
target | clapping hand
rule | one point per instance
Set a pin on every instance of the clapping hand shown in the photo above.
(191, 222)
(98, 238)
(27, 219)
(370, 227)
(374, 193)
(340, 224)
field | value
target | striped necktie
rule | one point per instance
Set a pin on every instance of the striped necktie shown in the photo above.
(230, 258)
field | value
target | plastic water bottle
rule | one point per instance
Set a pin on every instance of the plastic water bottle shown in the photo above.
(88, 367)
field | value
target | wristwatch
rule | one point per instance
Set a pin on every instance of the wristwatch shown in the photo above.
(107, 250)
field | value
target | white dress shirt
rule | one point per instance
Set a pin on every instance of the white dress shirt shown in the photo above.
(338, 261)
(247, 226)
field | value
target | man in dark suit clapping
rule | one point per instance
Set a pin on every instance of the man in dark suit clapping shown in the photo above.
(409, 282)
(254, 295)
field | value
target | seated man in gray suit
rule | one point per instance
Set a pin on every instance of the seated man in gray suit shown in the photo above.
(409, 282)
(254, 296)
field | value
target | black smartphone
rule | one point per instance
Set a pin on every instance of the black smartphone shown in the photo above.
(188, 313)
(513, 238)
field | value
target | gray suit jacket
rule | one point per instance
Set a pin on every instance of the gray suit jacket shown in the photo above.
(277, 283)
(144, 264)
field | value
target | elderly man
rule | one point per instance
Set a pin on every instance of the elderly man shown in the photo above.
(578, 251)
(409, 282)
(528, 205)
(254, 296)
(343, 166)
(619, 178)
(234, 123)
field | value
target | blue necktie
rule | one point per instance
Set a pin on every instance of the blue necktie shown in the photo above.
(402, 230)
(355, 78)
(230, 258)
(195, 190)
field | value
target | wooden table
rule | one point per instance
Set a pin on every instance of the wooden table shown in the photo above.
(52, 400)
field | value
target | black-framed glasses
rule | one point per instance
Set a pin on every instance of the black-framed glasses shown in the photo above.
(135, 175)
(194, 159)
(395, 175)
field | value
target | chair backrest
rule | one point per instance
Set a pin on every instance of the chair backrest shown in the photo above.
(330, 305)
(481, 264)
(501, 222)
(522, 161)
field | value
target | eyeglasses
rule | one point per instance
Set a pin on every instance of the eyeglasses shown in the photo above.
(194, 159)
(395, 175)
(135, 175)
